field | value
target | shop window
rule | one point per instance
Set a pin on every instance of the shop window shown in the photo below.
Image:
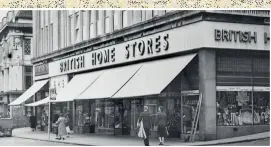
(235, 108)
(136, 109)
(261, 107)
(242, 88)
(104, 114)
(82, 113)
(174, 116)
(152, 105)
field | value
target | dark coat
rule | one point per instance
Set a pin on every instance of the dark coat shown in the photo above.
(161, 119)
(147, 119)
(55, 117)
(33, 121)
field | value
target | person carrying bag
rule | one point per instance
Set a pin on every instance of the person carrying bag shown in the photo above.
(141, 132)
(145, 124)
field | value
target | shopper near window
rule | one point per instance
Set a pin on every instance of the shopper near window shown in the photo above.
(160, 122)
(33, 122)
(147, 123)
(61, 127)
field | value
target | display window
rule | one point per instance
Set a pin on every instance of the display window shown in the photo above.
(243, 93)
(261, 101)
(235, 108)
(174, 116)
(136, 108)
(104, 114)
(82, 115)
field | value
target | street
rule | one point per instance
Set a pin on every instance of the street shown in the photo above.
(13, 141)
(262, 142)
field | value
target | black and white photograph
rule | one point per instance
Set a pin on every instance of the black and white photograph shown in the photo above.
(134, 77)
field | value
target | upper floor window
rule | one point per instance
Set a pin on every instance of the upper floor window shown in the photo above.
(27, 46)
(28, 76)
(124, 18)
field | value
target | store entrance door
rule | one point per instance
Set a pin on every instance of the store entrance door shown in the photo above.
(122, 117)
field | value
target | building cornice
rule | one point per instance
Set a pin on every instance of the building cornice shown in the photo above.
(157, 24)
(12, 92)
(14, 25)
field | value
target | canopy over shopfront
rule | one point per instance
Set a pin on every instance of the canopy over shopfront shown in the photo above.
(29, 93)
(136, 80)
(153, 77)
(40, 102)
(110, 82)
(76, 86)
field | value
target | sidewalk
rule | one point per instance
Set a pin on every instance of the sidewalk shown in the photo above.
(109, 140)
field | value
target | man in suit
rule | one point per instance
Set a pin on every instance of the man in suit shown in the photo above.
(147, 123)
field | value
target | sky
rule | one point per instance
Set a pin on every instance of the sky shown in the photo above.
(3, 13)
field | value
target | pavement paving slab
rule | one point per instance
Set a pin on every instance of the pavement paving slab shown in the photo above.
(109, 140)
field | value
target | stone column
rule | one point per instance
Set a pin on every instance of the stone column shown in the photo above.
(207, 86)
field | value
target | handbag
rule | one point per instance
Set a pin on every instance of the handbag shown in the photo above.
(68, 129)
(167, 131)
(141, 132)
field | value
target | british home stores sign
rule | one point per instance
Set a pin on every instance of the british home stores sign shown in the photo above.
(185, 38)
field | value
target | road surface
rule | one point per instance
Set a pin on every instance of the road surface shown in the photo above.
(12, 141)
(262, 142)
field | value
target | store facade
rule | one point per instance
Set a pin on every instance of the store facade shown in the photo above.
(228, 63)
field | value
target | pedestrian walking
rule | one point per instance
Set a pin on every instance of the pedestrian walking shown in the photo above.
(67, 124)
(61, 127)
(160, 122)
(33, 122)
(146, 121)
(54, 127)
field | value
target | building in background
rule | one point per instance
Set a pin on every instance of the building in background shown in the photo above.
(102, 67)
(16, 74)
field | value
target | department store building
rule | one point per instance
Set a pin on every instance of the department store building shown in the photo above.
(103, 66)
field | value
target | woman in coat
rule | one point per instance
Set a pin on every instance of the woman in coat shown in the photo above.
(33, 122)
(61, 126)
(161, 119)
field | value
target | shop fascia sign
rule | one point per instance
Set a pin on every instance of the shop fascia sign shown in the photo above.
(168, 42)
(225, 35)
(155, 45)
(243, 88)
(41, 69)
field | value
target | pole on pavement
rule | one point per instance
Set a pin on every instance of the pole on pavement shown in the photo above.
(49, 120)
